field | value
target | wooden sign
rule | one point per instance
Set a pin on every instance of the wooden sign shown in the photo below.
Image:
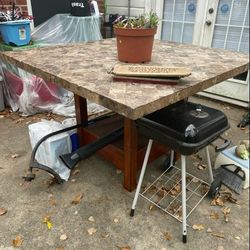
(151, 71)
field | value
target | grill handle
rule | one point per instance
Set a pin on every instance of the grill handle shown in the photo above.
(224, 145)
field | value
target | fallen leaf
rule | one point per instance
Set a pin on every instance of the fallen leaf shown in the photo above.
(91, 231)
(173, 208)
(218, 234)
(175, 190)
(19, 120)
(232, 200)
(52, 202)
(15, 156)
(196, 157)
(220, 248)
(124, 248)
(214, 216)
(228, 196)
(167, 236)
(213, 202)
(77, 199)
(105, 236)
(76, 171)
(59, 248)
(237, 237)
(195, 180)
(161, 194)
(226, 212)
(151, 207)
(73, 180)
(17, 242)
(217, 201)
(76, 212)
(198, 227)
(204, 189)
(196, 163)
(47, 221)
(50, 182)
(63, 237)
(2, 211)
(209, 230)
(202, 166)
(116, 220)
(177, 187)
(91, 218)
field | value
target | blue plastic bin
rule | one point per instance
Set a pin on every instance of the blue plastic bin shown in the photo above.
(16, 32)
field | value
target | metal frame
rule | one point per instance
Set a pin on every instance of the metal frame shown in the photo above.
(191, 188)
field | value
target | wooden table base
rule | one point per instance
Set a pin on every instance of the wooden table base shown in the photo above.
(126, 154)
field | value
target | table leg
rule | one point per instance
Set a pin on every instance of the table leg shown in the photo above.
(126, 159)
(130, 154)
(81, 115)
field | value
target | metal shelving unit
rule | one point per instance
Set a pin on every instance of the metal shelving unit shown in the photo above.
(165, 192)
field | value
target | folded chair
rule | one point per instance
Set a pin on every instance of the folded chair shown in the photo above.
(185, 128)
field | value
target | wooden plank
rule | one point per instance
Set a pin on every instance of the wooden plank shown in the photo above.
(150, 71)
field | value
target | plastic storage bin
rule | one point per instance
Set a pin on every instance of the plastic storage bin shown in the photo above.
(73, 133)
(16, 32)
(228, 157)
(49, 151)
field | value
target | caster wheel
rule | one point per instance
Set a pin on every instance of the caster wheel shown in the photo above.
(214, 188)
(166, 164)
(29, 177)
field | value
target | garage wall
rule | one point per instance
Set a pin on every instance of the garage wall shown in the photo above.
(22, 4)
(121, 7)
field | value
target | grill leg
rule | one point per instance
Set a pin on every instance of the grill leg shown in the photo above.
(183, 188)
(144, 165)
(209, 165)
(172, 158)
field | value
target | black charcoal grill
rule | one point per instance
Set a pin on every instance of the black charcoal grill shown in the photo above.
(186, 128)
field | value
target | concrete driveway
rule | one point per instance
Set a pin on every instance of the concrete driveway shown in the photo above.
(100, 218)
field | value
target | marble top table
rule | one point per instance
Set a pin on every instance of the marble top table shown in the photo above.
(82, 69)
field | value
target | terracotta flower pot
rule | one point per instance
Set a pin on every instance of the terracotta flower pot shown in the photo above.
(134, 45)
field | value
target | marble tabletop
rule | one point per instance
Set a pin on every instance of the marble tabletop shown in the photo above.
(83, 69)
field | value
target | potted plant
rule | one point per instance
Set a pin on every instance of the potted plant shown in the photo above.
(135, 38)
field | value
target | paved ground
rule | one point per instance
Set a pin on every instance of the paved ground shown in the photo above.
(103, 198)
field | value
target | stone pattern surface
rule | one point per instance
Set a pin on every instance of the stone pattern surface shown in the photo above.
(83, 69)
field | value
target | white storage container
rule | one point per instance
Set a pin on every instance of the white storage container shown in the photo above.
(49, 151)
